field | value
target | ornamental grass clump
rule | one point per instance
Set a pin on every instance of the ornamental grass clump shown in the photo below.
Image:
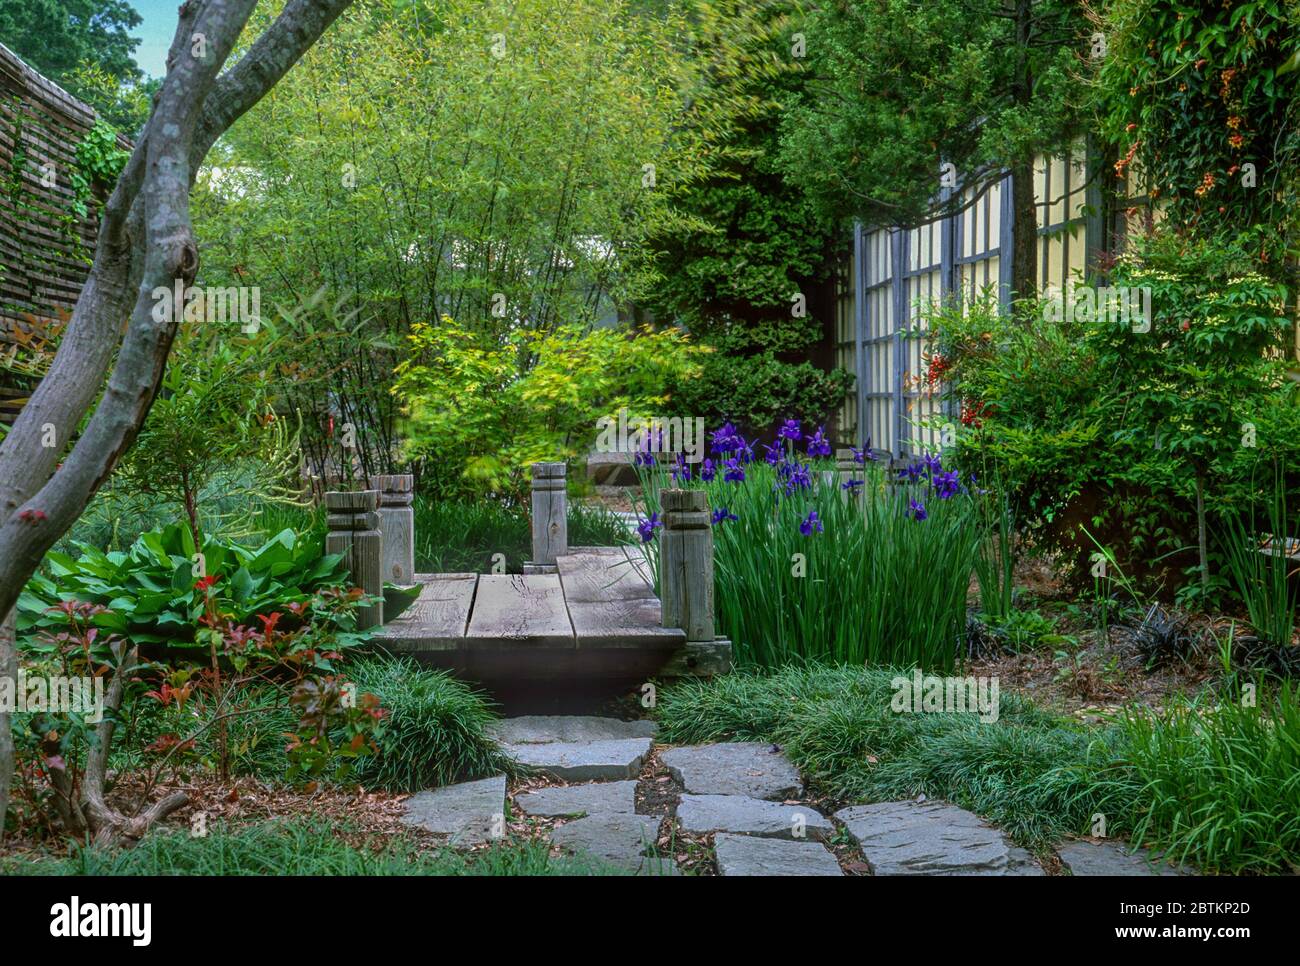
(1212, 782)
(1263, 575)
(436, 727)
(815, 564)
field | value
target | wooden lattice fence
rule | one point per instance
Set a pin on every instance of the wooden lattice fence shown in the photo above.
(45, 246)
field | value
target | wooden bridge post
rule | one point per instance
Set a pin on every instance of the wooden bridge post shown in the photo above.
(550, 517)
(354, 530)
(686, 582)
(397, 524)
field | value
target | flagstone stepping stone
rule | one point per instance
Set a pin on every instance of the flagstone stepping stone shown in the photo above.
(536, 729)
(1113, 858)
(750, 855)
(701, 814)
(468, 813)
(621, 840)
(754, 769)
(576, 748)
(583, 761)
(598, 798)
(1021, 862)
(932, 838)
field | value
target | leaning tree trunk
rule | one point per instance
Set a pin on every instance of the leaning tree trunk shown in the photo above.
(8, 671)
(145, 244)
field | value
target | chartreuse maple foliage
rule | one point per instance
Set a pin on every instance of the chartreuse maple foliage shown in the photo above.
(470, 402)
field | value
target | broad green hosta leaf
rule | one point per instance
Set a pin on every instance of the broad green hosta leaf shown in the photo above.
(149, 591)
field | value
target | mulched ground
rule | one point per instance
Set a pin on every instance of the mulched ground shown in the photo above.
(375, 816)
(1097, 674)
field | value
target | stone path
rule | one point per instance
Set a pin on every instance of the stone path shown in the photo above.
(932, 838)
(1110, 858)
(576, 748)
(737, 768)
(736, 808)
(468, 814)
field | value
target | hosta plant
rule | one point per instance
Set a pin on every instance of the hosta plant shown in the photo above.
(156, 592)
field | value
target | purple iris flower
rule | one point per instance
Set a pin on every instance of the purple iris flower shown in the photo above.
(707, 471)
(916, 510)
(650, 444)
(647, 528)
(947, 484)
(682, 470)
(852, 485)
(811, 524)
(790, 430)
(793, 475)
(933, 463)
(912, 473)
(818, 444)
(726, 439)
(735, 473)
(744, 449)
(723, 515)
(773, 454)
(799, 477)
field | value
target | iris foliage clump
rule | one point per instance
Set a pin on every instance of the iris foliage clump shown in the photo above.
(812, 563)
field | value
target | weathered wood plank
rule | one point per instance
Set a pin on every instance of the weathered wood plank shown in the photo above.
(510, 609)
(622, 623)
(596, 574)
(1290, 546)
(437, 619)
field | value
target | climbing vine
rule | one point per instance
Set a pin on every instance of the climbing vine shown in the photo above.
(99, 161)
(1200, 102)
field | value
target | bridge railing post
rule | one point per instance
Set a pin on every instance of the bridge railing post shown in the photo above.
(686, 583)
(397, 524)
(686, 563)
(550, 517)
(354, 531)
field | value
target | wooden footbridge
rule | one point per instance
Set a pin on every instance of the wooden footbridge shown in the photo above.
(576, 618)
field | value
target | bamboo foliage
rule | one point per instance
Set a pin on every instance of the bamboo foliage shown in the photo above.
(491, 166)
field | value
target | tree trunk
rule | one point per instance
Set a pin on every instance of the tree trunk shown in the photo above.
(145, 242)
(80, 802)
(8, 671)
(192, 514)
(1201, 540)
(1024, 253)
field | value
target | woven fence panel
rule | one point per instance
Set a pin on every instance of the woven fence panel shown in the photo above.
(45, 248)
